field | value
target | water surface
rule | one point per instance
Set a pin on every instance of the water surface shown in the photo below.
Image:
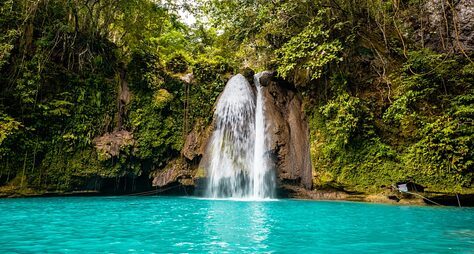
(170, 224)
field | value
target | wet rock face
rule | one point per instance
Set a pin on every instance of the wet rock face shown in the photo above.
(288, 133)
(450, 23)
(465, 17)
(184, 171)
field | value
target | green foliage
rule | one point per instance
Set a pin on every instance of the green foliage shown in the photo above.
(429, 111)
(443, 156)
(156, 114)
(156, 134)
(8, 126)
(6, 46)
(145, 72)
(156, 129)
(346, 151)
(210, 76)
(161, 98)
(61, 66)
(428, 125)
(311, 50)
(208, 71)
(60, 170)
(8, 32)
(177, 64)
(343, 118)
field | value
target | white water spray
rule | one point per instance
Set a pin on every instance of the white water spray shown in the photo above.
(263, 176)
(238, 166)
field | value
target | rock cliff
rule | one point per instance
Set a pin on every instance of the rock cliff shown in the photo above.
(288, 132)
(450, 24)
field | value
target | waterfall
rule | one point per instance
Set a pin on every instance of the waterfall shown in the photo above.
(263, 176)
(238, 166)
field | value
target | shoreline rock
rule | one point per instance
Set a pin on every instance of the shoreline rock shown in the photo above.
(286, 192)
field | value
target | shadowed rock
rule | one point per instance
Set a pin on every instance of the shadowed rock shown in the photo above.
(248, 74)
(175, 171)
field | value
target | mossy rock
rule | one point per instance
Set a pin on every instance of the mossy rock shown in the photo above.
(200, 173)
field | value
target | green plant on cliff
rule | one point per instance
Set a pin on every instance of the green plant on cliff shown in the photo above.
(63, 65)
(345, 146)
(387, 99)
(177, 64)
(311, 50)
(394, 116)
(431, 111)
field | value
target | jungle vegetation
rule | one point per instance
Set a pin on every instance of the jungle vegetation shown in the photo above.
(388, 97)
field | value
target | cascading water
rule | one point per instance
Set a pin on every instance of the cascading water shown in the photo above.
(238, 165)
(263, 176)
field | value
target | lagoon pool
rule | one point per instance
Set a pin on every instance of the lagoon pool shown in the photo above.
(192, 225)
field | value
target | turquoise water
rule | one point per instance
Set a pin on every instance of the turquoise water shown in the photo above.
(166, 224)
